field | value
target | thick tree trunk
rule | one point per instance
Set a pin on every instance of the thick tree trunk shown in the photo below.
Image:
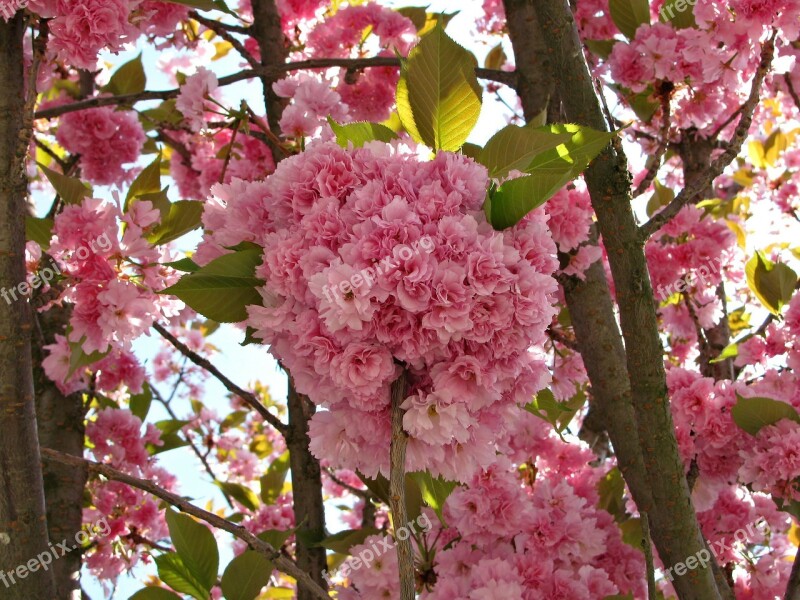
(23, 524)
(309, 509)
(676, 532)
(60, 419)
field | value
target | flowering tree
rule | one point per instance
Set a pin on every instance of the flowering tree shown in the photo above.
(557, 363)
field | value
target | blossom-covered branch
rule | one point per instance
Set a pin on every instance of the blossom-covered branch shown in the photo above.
(508, 78)
(283, 563)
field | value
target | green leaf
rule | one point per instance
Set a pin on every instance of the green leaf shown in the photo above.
(361, 132)
(344, 540)
(632, 533)
(169, 441)
(174, 572)
(438, 96)
(140, 403)
(772, 283)
(601, 48)
(154, 593)
(187, 265)
(196, 546)
(662, 196)
(184, 216)
(680, 19)
(629, 14)
(272, 481)
(751, 414)
(558, 414)
(729, 351)
(146, 182)
(128, 79)
(514, 148)
(78, 359)
(549, 172)
(206, 5)
(495, 58)
(274, 537)
(222, 289)
(246, 575)
(611, 489)
(71, 189)
(39, 231)
(434, 492)
(243, 495)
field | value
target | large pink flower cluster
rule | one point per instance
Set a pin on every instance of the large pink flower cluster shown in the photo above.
(81, 28)
(373, 259)
(369, 94)
(105, 139)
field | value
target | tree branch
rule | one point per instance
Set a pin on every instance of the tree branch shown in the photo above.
(696, 186)
(397, 488)
(204, 363)
(272, 72)
(676, 532)
(282, 563)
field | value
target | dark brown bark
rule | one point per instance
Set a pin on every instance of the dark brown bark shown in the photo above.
(397, 488)
(23, 523)
(309, 509)
(269, 35)
(60, 422)
(676, 532)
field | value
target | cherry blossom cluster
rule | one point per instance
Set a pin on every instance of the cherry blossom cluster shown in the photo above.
(106, 140)
(460, 319)
(112, 289)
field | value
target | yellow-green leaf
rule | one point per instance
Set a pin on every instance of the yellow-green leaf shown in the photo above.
(751, 414)
(772, 283)
(514, 148)
(439, 97)
(360, 132)
(128, 79)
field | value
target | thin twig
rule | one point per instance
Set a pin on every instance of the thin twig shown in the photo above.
(508, 78)
(792, 92)
(222, 31)
(281, 562)
(397, 489)
(201, 457)
(655, 160)
(694, 189)
(330, 472)
(647, 546)
(204, 363)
